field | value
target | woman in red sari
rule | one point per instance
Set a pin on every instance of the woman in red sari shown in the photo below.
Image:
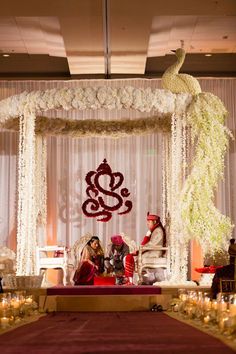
(91, 263)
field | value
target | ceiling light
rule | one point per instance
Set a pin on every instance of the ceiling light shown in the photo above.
(6, 55)
(208, 55)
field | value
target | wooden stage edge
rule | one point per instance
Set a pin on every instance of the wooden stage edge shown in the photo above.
(107, 303)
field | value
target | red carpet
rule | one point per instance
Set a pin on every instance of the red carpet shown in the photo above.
(109, 333)
(104, 290)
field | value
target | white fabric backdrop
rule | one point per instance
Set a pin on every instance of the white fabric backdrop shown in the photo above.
(138, 158)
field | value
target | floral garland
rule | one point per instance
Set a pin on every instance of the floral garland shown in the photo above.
(41, 179)
(178, 246)
(96, 127)
(163, 102)
(200, 218)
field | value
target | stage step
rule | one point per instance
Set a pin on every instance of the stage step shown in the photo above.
(108, 298)
(101, 303)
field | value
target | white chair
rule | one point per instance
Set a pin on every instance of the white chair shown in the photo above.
(46, 259)
(153, 262)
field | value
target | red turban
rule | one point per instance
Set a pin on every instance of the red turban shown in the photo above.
(117, 240)
(153, 217)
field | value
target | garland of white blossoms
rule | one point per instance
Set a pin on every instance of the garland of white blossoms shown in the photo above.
(178, 246)
(41, 179)
(200, 218)
(96, 127)
(163, 102)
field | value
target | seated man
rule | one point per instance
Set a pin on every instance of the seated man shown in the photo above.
(225, 273)
(232, 251)
(155, 236)
(119, 259)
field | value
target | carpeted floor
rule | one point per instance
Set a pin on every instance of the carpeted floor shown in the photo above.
(110, 332)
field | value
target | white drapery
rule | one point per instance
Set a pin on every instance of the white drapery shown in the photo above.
(137, 158)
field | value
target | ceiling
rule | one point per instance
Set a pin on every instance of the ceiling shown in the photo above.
(115, 38)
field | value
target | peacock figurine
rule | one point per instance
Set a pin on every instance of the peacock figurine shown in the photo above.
(179, 83)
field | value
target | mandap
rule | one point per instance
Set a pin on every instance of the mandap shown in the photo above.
(194, 141)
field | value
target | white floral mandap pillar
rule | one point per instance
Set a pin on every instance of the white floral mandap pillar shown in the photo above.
(26, 220)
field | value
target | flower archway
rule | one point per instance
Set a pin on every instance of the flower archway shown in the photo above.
(187, 190)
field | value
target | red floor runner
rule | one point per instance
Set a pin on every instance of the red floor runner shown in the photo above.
(110, 332)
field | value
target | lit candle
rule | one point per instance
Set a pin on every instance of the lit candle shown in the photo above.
(232, 309)
(223, 323)
(214, 305)
(207, 303)
(4, 322)
(222, 306)
(28, 300)
(15, 304)
(4, 304)
(206, 319)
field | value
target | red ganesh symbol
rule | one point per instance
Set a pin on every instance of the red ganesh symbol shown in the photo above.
(96, 191)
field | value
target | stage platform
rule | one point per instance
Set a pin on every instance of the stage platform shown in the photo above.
(108, 298)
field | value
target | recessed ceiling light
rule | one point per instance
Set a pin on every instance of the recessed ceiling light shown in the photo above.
(208, 55)
(6, 55)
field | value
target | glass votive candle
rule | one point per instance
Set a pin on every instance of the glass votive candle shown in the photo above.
(223, 321)
(214, 305)
(4, 322)
(232, 306)
(29, 300)
(222, 304)
(206, 319)
(4, 304)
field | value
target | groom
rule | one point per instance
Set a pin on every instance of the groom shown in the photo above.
(155, 236)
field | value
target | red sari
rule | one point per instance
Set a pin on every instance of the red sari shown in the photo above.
(91, 264)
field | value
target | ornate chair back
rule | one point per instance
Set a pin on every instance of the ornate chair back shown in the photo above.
(227, 286)
(76, 250)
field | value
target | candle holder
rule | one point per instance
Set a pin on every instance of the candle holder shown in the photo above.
(4, 322)
(224, 322)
